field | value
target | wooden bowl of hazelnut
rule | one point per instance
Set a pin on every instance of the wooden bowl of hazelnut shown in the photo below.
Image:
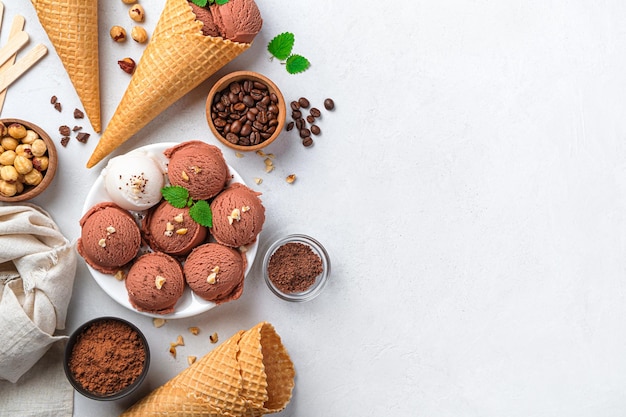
(245, 110)
(28, 160)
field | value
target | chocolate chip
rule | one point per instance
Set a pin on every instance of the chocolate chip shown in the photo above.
(82, 137)
(77, 128)
(78, 114)
(57, 106)
(64, 130)
(65, 140)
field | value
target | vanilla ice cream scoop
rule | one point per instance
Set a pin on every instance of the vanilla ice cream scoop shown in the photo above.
(134, 180)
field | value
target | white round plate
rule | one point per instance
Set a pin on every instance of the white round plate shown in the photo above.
(189, 304)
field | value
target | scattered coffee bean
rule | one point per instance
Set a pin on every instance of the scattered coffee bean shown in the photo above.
(295, 105)
(307, 141)
(305, 133)
(300, 124)
(310, 119)
(315, 129)
(64, 130)
(304, 103)
(245, 113)
(315, 112)
(289, 126)
(296, 114)
(65, 140)
(329, 104)
(78, 114)
(53, 100)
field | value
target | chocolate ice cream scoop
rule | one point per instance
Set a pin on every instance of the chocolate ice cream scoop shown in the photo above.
(238, 216)
(155, 283)
(237, 20)
(203, 14)
(199, 167)
(109, 238)
(215, 272)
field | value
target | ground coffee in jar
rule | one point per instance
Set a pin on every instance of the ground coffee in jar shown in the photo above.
(107, 357)
(293, 267)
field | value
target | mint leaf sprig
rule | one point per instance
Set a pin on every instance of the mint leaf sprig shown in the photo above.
(281, 47)
(203, 3)
(200, 210)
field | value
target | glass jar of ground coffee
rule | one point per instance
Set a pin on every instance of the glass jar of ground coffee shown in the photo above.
(296, 267)
(106, 358)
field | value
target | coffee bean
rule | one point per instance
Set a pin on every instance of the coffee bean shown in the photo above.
(310, 119)
(304, 103)
(246, 129)
(239, 107)
(307, 141)
(296, 114)
(248, 101)
(304, 133)
(315, 112)
(290, 126)
(235, 127)
(295, 105)
(315, 129)
(329, 104)
(232, 138)
(235, 87)
(300, 124)
(259, 85)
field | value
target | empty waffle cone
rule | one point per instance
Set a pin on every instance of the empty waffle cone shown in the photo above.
(177, 59)
(72, 26)
(249, 375)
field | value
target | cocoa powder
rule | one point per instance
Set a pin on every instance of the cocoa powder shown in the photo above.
(294, 267)
(108, 356)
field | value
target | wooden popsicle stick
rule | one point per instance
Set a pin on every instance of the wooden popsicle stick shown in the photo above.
(13, 45)
(16, 27)
(22, 65)
(1, 13)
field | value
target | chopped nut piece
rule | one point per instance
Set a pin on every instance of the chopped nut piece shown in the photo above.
(216, 269)
(269, 168)
(102, 242)
(268, 161)
(169, 226)
(191, 360)
(182, 231)
(212, 278)
(196, 169)
(245, 208)
(194, 330)
(127, 65)
(184, 175)
(178, 218)
(110, 230)
(291, 178)
(243, 249)
(238, 155)
(168, 233)
(213, 337)
(260, 153)
(120, 275)
(271, 155)
(159, 281)
(234, 215)
(258, 180)
(173, 350)
(180, 341)
(158, 322)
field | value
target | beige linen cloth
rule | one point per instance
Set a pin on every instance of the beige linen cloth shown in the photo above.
(37, 268)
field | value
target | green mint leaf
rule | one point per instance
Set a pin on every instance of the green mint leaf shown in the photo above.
(220, 2)
(176, 195)
(200, 3)
(297, 63)
(281, 45)
(201, 213)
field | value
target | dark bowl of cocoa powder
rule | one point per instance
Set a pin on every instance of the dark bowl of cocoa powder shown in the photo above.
(296, 268)
(106, 358)
(245, 110)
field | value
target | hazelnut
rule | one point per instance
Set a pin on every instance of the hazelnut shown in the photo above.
(22, 164)
(8, 173)
(291, 178)
(7, 157)
(8, 189)
(127, 65)
(34, 177)
(17, 130)
(38, 147)
(137, 13)
(9, 143)
(139, 34)
(30, 137)
(118, 33)
(3, 129)
(41, 163)
(120, 275)
(213, 338)
(24, 150)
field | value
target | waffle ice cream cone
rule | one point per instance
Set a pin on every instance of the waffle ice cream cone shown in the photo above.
(72, 26)
(249, 375)
(177, 59)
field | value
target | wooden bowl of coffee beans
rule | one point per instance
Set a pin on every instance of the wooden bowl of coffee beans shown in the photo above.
(28, 160)
(245, 111)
